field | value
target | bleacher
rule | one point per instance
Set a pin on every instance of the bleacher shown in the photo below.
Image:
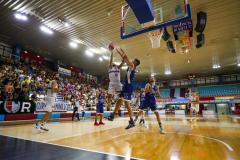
(165, 93)
(219, 90)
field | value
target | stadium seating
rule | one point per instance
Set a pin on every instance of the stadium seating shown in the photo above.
(219, 90)
(165, 93)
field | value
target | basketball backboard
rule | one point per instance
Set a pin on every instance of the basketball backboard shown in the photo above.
(166, 13)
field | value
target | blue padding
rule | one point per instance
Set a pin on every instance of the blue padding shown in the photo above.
(150, 113)
(55, 115)
(2, 117)
(142, 10)
(40, 115)
(106, 114)
(87, 114)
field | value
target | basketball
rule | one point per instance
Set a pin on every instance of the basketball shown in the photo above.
(111, 46)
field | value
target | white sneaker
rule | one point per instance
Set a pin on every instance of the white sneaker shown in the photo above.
(143, 125)
(37, 126)
(162, 131)
(44, 127)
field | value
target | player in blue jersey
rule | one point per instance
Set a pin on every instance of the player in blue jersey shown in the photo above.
(140, 102)
(100, 107)
(151, 91)
(126, 93)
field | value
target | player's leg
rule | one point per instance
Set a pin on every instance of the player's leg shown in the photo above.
(101, 119)
(191, 112)
(101, 112)
(74, 112)
(41, 125)
(131, 122)
(83, 115)
(109, 101)
(159, 122)
(153, 107)
(96, 117)
(77, 115)
(116, 109)
(142, 120)
(140, 111)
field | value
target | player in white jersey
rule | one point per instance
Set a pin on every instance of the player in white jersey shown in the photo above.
(52, 89)
(194, 103)
(115, 85)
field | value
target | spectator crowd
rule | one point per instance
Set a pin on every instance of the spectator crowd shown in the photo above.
(22, 81)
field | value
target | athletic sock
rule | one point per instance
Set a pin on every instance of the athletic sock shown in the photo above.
(160, 124)
(131, 120)
(136, 118)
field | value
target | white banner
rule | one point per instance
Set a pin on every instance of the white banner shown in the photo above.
(64, 71)
(58, 107)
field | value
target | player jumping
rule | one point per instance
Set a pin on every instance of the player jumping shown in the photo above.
(126, 93)
(115, 85)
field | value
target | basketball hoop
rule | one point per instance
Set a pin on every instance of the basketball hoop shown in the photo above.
(155, 38)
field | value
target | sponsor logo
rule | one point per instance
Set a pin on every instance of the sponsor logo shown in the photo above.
(11, 107)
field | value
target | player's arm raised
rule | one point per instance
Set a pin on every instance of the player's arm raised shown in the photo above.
(111, 60)
(122, 63)
(125, 58)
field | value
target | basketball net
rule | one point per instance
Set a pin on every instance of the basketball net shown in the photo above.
(155, 38)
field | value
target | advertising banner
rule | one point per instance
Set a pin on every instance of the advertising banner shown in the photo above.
(58, 107)
(16, 107)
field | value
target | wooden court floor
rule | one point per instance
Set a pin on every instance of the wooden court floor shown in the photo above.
(208, 138)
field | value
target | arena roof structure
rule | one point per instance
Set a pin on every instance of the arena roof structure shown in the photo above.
(94, 24)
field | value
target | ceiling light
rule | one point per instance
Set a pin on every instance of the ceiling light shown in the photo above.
(238, 64)
(216, 66)
(78, 41)
(73, 45)
(100, 59)
(92, 49)
(103, 49)
(117, 63)
(66, 24)
(106, 57)
(89, 53)
(46, 30)
(188, 61)
(168, 72)
(21, 16)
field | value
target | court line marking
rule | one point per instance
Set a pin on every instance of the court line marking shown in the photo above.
(89, 150)
(188, 134)
(201, 136)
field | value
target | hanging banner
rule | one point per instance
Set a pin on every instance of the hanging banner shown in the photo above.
(182, 26)
(64, 71)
